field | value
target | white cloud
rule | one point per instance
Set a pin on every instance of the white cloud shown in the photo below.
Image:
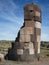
(7, 5)
(8, 35)
(44, 33)
(13, 18)
(7, 11)
(44, 37)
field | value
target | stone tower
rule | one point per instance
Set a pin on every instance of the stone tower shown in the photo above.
(27, 44)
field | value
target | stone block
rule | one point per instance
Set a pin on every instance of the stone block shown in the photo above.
(31, 48)
(37, 18)
(20, 51)
(21, 45)
(37, 13)
(37, 24)
(38, 38)
(27, 38)
(26, 16)
(38, 47)
(22, 31)
(29, 23)
(32, 37)
(27, 30)
(37, 31)
(24, 38)
(26, 45)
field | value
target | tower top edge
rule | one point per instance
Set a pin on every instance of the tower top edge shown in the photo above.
(34, 5)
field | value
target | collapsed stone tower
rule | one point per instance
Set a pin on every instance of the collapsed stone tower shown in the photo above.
(27, 44)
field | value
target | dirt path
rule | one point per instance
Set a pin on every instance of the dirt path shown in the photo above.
(41, 62)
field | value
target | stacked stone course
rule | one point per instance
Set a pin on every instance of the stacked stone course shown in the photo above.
(27, 44)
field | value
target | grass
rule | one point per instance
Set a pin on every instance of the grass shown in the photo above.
(44, 52)
(4, 45)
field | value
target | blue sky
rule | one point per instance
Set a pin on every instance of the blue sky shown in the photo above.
(12, 18)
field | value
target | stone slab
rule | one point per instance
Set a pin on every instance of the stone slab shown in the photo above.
(37, 13)
(31, 48)
(38, 47)
(24, 38)
(29, 23)
(27, 30)
(20, 51)
(37, 24)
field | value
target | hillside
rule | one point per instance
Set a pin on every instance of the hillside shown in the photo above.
(4, 45)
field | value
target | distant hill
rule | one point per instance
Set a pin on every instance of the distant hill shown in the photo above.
(4, 45)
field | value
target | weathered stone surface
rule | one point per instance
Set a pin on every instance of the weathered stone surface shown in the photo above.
(24, 38)
(29, 23)
(37, 13)
(38, 38)
(27, 30)
(20, 51)
(37, 18)
(37, 24)
(38, 31)
(27, 44)
(39, 47)
(31, 48)
(32, 37)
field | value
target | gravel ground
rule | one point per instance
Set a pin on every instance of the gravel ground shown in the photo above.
(41, 62)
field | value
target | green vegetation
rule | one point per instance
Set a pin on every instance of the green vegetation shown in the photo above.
(44, 44)
(44, 49)
(47, 46)
(4, 45)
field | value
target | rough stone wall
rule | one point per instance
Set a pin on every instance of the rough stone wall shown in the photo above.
(27, 44)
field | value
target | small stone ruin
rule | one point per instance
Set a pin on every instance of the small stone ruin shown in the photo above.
(26, 46)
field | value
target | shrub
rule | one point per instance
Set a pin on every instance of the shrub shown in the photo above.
(47, 46)
(42, 44)
(47, 55)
